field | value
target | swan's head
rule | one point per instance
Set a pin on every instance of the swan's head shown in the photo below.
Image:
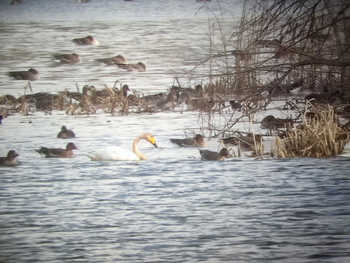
(150, 138)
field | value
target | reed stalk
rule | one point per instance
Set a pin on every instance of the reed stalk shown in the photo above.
(317, 137)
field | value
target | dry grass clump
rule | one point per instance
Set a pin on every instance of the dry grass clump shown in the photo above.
(319, 136)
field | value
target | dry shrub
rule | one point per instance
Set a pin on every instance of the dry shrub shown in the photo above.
(317, 137)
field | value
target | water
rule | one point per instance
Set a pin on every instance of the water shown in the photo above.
(173, 207)
(170, 38)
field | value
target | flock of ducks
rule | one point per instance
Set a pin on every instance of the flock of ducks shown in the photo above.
(116, 153)
(119, 61)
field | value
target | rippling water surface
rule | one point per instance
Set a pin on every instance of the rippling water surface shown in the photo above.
(169, 38)
(173, 207)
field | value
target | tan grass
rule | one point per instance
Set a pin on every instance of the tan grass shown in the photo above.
(316, 137)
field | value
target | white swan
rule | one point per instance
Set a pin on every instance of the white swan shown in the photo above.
(115, 153)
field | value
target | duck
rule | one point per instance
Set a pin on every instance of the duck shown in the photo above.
(8, 99)
(272, 123)
(116, 153)
(201, 104)
(9, 160)
(67, 58)
(197, 141)
(16, 2)
(235, 105)
(65, 133)
(1, 117)
(78, 95)
(116, 60)
(214, 156)
(247, 142)
(167, 103)
(186, 93)
(141, 67)
(124, 90)
(89, 40)
(31, 74)
(58, 152)
(42, 100)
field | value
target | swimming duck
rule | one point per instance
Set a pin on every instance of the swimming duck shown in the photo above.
(247, 142)
(58, 152)
(65, 133)
(67, 58)
(214, 156)
(16, 2)
(9, 160)
(115, 153)
(197, 141)
(89, 40)
(116, 60)
(141, 67)
(31, 74)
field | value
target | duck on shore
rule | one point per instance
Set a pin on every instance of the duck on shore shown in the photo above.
(272, 123)
(42, 100)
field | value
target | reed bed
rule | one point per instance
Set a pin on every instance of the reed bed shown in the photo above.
(317, 137)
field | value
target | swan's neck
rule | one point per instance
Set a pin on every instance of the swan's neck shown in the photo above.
(136, 149)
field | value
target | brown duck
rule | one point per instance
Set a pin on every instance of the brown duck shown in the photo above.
(214, 156)
(65, 133)
(58, 152)
(9, 160)
(197, 141)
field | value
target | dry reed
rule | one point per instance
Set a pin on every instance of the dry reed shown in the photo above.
(316, 137)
